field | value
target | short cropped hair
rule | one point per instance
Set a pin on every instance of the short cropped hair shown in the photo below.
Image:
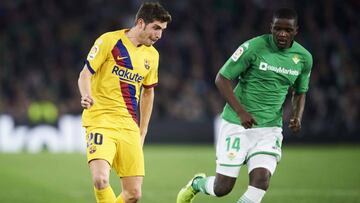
(286, 13)
(151, 11)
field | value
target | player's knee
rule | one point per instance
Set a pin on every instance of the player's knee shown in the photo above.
(222, 189)
(260, 181)
(132, 196)
(100, 181)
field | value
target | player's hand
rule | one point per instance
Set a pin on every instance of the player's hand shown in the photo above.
(87, 101)
(246, 119)
(295, 125)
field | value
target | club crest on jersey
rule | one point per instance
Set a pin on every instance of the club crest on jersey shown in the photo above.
(92, 149)
(231, 155)
(146, 64)
(296, 59)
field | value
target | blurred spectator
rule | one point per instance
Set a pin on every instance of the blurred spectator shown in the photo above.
(43, 44)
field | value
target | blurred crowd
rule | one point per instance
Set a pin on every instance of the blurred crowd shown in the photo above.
(43, 44)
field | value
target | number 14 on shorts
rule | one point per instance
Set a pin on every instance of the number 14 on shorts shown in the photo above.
(233, 143)
(232, 146)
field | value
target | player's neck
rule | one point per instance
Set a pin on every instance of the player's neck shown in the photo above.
(133, 36)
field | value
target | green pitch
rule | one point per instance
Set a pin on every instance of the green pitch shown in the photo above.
(306, 174)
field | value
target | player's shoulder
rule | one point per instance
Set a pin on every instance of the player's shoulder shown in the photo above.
(260, 39)
(302, 50)
(108, 37)
(116, 34)
(256, 42)
(152, 51)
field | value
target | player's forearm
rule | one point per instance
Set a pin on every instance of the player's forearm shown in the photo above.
(84, 82)
(146, 106)
(225, 88)
(298, 104)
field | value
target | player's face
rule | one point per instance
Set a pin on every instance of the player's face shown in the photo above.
(152, 32)
(283, 31)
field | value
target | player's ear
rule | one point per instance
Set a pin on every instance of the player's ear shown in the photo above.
(296, 30)
(271, 24)
(140, 22)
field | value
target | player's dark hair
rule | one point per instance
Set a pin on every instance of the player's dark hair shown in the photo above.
(151, 11)
(286, 13)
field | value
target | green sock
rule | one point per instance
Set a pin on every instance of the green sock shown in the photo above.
(199, 184)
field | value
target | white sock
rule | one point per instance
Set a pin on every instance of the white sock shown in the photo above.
(210, 185)
(252, 195)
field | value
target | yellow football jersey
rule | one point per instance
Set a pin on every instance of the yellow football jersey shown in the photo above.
(119, 71)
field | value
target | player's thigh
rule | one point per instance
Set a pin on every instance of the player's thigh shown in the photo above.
(267, 151)
(129, 159)
(266, 161)
(101, 144)
(231, 149)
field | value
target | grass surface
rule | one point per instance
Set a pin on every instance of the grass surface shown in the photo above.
(306, 174)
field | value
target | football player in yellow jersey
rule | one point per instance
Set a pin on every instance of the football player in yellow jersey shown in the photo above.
(120, 70)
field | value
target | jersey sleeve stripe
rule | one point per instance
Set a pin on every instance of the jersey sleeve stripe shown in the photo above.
(128, 92)
(121, 55)
(150, 86)
(89, 67)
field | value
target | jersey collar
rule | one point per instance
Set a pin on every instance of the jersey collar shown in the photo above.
(128, 42)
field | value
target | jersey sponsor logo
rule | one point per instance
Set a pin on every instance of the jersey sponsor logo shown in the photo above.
(236, 55)
(93, 52)
(296, 59)
(266, 67)
(127, 75)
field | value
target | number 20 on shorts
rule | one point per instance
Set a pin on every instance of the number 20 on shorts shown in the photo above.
(96, 138)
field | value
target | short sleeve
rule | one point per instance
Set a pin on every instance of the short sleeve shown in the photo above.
(151, 79)
(98, 53)
(238, 62)
(302, 82)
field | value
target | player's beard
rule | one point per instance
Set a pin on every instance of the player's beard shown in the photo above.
(149, 41)
(146, 38)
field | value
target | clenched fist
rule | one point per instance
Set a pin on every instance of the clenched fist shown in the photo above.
(295, 125)
(87, 101)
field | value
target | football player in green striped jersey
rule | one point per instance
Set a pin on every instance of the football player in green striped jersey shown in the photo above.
(251, 125)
